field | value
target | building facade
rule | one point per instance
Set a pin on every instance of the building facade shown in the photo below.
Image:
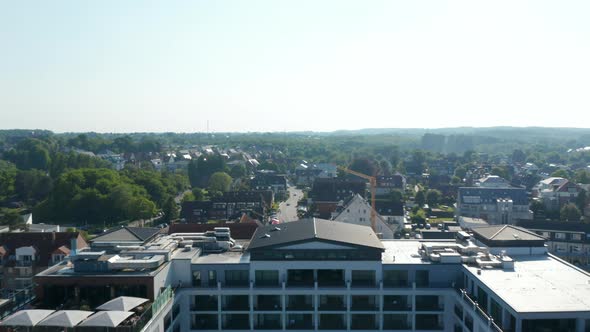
(495, 205)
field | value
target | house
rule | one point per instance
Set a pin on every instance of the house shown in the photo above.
(391, 212)
(306, 173)
(385, 184)
(555, 192)
(22, 255)
(496, 205)
(327, 193)
(492, 181)
(269, 180)
(229, 206)
(358, 211)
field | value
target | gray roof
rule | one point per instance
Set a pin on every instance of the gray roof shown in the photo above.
(314, 229)
(125, 234)
(506, 233)
(490, 195)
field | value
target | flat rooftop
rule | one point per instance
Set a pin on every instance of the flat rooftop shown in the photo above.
(405, 251)
(228, 257)
(539, 284)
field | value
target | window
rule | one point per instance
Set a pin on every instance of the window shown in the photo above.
(577, 237)
(395, 278)
(212, 278)
(236, 278)
(197, 278)
(267, 278)
(422, 278)
(560, 236)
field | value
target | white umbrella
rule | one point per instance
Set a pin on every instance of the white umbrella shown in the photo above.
(26, 317)
(106, 318)
(65, 318)
(122, 303)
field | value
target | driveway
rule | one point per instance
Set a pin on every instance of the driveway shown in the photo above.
(288, 209)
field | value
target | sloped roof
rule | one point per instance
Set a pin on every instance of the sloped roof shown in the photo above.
(506, 234)
(127, 234)
(488, 195)
(314, 229)
(45, 243)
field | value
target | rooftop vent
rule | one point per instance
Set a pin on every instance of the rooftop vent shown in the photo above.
(276, 229)
(265, 236)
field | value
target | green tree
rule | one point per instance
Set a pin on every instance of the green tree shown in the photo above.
(420, 198)
(518, 156)
(561, 173)
(170, 209)
(501, 171)
(220, 181)
(364, 165)
(238, 171)
(433, 196)
(10, 217)
(570, 212)
(461, 171)
(582, 176)
(582, 199)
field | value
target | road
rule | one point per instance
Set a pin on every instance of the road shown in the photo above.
(288, 209)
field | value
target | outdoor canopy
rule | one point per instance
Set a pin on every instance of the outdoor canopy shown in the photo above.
(26, 317)
(106, 318)
(122, 303)
(65, 318)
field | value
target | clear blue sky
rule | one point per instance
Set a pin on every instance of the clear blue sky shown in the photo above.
(125, 66)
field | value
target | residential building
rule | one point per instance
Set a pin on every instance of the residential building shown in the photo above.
(327, 193)
(567, 240)
(386, 184)
(358, 211)
(317, 274)
(269, 180)
(555, 192)
(305, 173)
(492, 181)
(392, 212)
(495, 205)
(22, 255)
(229, 206)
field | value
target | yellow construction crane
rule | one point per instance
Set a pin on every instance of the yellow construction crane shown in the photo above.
(373, 183)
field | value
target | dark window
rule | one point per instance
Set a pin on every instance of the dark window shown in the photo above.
(363, 278)
(196, 278)
(267, 278)
(212, 276)
(236, 278)
(395, 278)
(422, 278)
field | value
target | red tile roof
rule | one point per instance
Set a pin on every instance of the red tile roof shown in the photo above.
(46, 243)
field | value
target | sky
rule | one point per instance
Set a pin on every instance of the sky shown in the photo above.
(253, 66)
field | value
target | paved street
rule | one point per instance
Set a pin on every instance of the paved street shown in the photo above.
(288, 210)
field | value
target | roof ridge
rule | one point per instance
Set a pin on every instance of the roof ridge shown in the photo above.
(498, 232)
(133, 233)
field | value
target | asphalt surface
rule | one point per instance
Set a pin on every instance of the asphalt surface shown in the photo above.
(288, 209)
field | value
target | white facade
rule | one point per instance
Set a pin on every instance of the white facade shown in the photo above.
(358, 211)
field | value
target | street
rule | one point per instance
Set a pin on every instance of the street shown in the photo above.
(288, 209)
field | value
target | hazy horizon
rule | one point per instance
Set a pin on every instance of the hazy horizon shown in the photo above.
(267, 66)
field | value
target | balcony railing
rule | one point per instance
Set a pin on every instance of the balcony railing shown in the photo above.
(17, 300)
(475, 307)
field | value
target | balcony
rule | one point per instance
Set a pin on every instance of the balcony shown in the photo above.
(364, 303)
(268, 303)
(204, 322)
(480, 313)
(204, 303)
(332, 303)
(331, 278)
(428, 303)
(396, 322)
(300, 303)
(332, 322)
(300, 278)
(363, 322)
(235, 321)
(300, 322)
(396, 303)
(268, 322)
(236, 303)
(429, 322)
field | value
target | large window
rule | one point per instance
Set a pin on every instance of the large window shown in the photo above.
(395, 278)
(212, 278)
(422, 278)
(196, 278)
(236, 278)
(300, 278)
(267, 278)
(363, 278)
